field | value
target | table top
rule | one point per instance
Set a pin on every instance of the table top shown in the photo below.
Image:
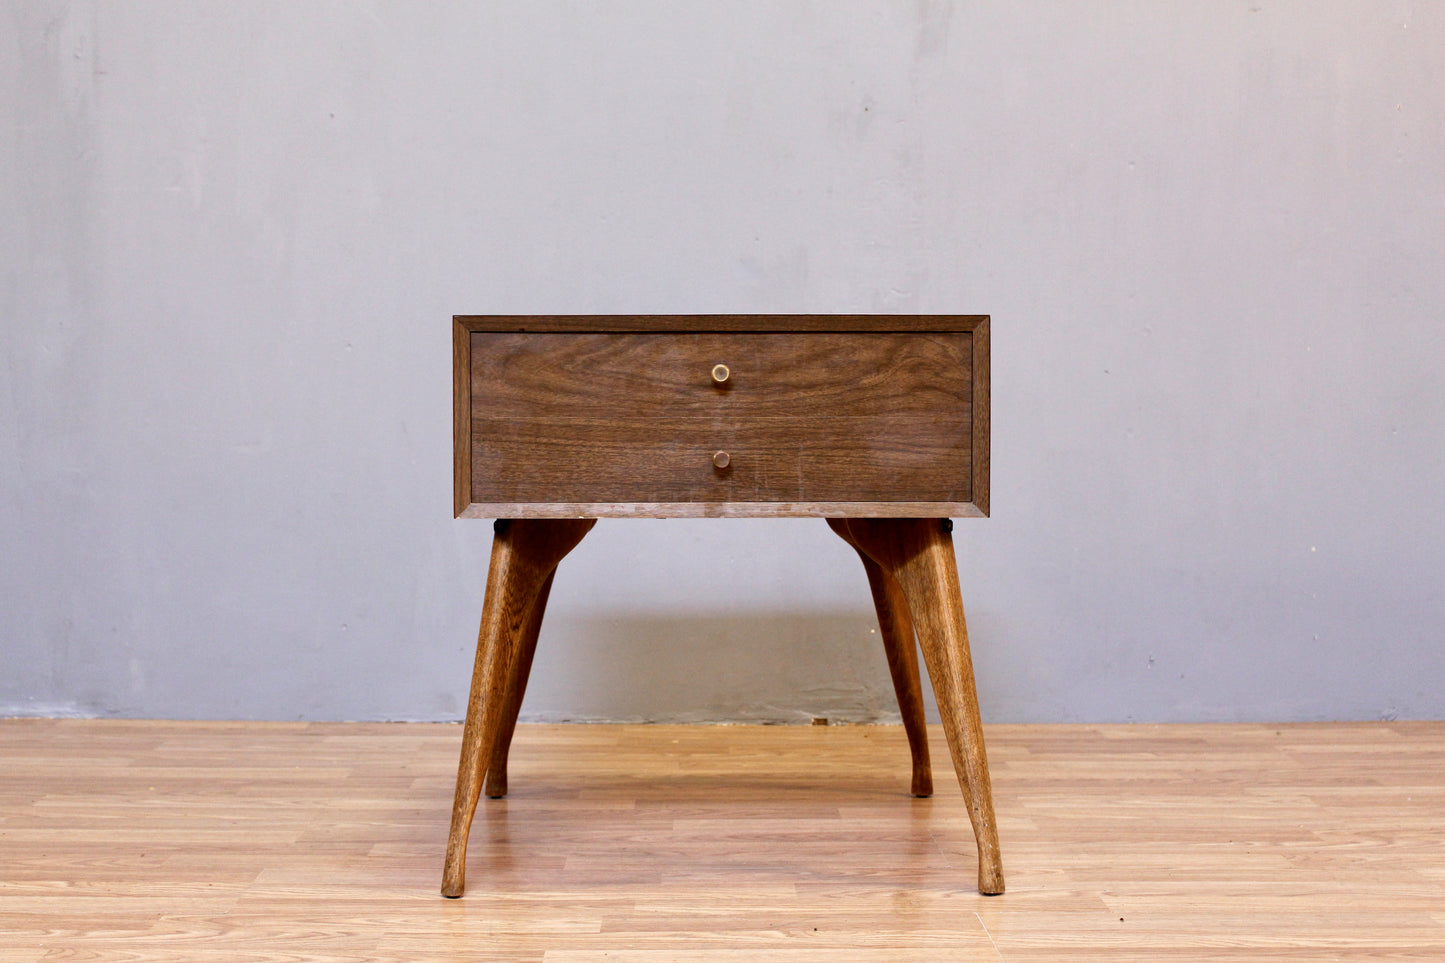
(701, 323)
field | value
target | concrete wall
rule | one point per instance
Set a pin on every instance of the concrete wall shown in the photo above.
(1211, 236)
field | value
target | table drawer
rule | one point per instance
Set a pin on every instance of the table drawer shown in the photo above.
(635, 422)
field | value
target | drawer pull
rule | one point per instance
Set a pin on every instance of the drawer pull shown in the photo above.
(720, 373)
(721, 459)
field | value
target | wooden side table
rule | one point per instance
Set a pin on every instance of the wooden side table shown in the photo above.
(878, 424)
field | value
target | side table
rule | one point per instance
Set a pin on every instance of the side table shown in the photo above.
(877, 423)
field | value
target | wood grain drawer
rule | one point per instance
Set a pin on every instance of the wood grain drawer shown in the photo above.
(623, 416)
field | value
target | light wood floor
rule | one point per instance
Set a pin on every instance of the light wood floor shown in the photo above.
(246, 841)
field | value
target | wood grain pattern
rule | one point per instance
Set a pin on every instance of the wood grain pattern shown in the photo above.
(496, 784)
(918, 553)
(525, 553)
(461, 418)
(637, 418)
(611, 414)
(895, 627)
(980, 421)
(173, 842)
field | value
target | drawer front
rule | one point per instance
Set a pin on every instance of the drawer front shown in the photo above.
(594, 419)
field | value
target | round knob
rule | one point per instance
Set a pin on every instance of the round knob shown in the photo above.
(720, 373)
(721, 459)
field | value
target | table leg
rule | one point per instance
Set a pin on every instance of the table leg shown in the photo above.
(919, 554)
(496, 785)
(525, 552)
(896, 628)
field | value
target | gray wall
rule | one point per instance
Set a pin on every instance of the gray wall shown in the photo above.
(1211, 236)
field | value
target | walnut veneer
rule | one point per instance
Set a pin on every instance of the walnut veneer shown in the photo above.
(819, 415)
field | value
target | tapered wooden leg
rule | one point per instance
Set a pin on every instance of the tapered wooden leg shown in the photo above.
(496, 785)
(919, 554)
(525, 552)
(896, 628)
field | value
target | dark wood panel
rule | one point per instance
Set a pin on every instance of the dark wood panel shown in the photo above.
(702, 323)
(982, 426)
(461, 418)
(805, 417)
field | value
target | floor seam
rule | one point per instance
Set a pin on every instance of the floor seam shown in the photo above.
(984, 925)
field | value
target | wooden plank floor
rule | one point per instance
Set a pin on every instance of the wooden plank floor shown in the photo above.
(255, 841)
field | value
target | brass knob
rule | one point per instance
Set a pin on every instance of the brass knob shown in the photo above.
(720, 373)
(721, 459)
